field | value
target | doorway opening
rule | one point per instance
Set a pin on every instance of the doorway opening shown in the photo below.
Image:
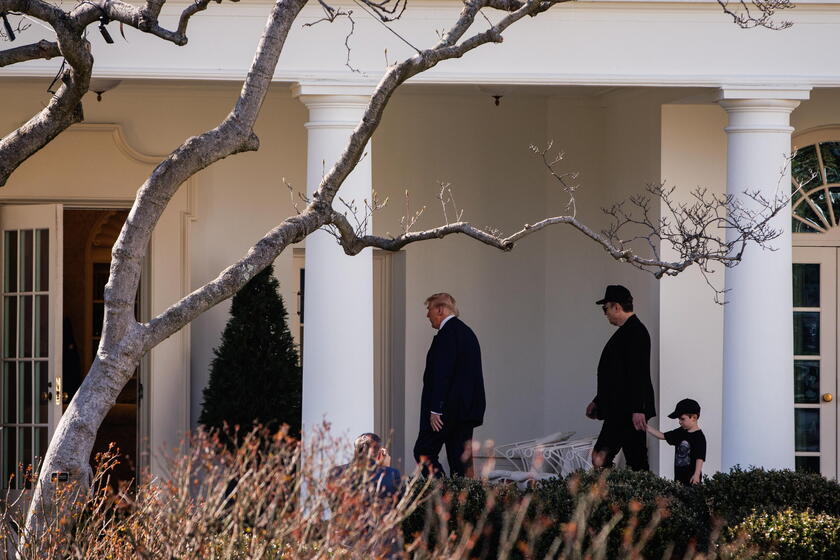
(89, 236)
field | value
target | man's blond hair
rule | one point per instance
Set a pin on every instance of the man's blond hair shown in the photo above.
(442, 300)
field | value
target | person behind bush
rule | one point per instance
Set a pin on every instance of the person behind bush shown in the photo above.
(371, 459)
(361, 495)
(689, 441)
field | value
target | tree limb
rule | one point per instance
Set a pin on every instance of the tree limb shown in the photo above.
(65, 107)
(43, 49)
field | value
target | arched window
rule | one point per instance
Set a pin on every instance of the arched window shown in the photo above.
(815, 171)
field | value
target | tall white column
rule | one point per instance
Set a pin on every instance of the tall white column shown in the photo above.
(338, 304)
(758, 325)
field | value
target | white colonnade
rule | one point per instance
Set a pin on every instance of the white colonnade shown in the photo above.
(758, 329)
(338, 299)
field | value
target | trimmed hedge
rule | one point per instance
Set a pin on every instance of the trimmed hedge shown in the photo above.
(733, 496)
(688, 514)
(790, 535)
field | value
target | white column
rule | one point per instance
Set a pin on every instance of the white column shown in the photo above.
(758, 331)
(338, 306)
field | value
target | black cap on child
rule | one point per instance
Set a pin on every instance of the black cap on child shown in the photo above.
(685, 406)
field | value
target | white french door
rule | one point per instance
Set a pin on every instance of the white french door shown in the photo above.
(30, 380)
(815, 313)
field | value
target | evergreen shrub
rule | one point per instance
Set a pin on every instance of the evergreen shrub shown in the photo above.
(789, 535)
(255, 376)
(733, 496)
(685, 517)
(681, 516)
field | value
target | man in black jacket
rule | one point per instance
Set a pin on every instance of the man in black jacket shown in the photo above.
(625, 400)
(452, 403)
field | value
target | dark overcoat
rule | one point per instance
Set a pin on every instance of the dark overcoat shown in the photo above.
(624, 384)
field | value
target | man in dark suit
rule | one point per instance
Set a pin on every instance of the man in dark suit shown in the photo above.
(452, 403)
(624, 400)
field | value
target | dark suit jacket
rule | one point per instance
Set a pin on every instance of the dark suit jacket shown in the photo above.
(453, 383)
(624, 384)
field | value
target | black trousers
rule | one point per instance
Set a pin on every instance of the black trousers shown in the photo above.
(618, 433)
(458, 442)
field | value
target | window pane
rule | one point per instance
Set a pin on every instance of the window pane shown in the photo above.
(804, 165)
(42, 260)
(10, 393)
(808, 464)
(42, 392)
(25, 322)
(10, 324)
(806, 285)
(100, 278)
(41, 441)
(10, 261)
(26, 395)
(831, 160)
(807, 427)
(26, 454)
(806, 333)
(42, 325)
(98, 318)
(26, 260)
(797, 226)
(9, 457)
(806, 381)
(804, 211)
(820, 200)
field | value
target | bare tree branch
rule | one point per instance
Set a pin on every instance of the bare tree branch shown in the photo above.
(41, 50)
(743, 13)
(65, 107)
(694, 243)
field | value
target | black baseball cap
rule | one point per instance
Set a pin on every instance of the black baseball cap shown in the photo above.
(616, 294)
(685, 406)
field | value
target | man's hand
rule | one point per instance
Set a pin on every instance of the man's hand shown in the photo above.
(639, 421)
(590, 410)
(436, 420)
(695, 479)
(383, 458)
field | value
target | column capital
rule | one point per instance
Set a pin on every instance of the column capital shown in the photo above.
(756, 93)
(760, 109)
(333, 104)
(328, 91)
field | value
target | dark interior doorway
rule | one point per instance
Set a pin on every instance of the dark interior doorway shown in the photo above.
(89, 236)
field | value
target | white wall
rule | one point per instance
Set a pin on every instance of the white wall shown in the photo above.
(691, 323)
(482, 150)
(613, 141)
(822, 109)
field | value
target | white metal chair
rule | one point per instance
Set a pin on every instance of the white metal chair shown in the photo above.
(521, 453)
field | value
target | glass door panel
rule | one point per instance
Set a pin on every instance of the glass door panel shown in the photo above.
(30, 249)
(815, 358)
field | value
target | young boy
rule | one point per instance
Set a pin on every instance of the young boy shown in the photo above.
(689, 441)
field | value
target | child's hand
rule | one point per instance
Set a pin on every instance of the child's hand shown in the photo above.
(696, 478)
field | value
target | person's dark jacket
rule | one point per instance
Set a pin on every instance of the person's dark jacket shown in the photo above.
(384, 481)
(624, 385)
(453, 383)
